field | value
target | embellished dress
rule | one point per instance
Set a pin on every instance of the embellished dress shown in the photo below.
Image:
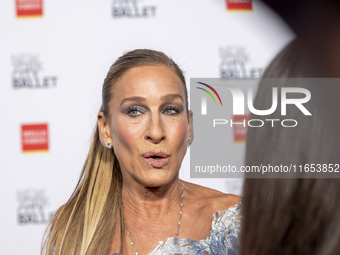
(222, 239)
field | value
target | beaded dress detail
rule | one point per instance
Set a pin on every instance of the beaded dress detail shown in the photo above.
(221, 240)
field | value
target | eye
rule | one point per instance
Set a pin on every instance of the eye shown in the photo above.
(135, 111)
(171, 110)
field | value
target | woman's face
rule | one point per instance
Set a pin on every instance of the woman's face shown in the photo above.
(149, 124)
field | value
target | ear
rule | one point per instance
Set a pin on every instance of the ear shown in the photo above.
(191, 127)
(104, 129)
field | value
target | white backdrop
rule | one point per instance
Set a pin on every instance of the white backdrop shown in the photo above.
(52, 69)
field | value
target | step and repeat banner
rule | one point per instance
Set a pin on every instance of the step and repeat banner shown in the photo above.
(54, 58)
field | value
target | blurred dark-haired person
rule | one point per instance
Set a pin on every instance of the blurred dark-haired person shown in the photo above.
(299, 215)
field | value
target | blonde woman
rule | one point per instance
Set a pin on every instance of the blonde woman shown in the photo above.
(129, 199)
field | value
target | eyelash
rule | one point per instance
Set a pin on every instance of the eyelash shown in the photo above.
(172, 107)
(134, 109)
(141, 110)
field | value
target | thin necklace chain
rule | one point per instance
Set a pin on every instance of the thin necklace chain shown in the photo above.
(178, 224)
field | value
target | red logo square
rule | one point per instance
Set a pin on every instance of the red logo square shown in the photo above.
(29, 8)
(34, 137)
(239, 5)
(240, 130)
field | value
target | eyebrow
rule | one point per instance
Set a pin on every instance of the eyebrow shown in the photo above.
(165, 98)
(133, 99)
(170, 97)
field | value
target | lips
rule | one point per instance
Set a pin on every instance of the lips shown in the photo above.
(156, 159)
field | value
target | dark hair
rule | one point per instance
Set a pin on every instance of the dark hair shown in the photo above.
(293, 216)
(290, 216)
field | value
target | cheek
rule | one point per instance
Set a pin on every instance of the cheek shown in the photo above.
(178, 134)
(125, 135)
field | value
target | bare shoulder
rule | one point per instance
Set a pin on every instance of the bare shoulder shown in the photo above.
(209, 199)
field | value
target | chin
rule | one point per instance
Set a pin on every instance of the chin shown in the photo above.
(157, 179)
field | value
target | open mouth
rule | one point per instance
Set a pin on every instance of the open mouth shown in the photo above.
(156, 159)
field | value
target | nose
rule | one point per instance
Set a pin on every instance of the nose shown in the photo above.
(155, 132)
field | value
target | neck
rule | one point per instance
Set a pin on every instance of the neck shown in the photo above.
(151, 201)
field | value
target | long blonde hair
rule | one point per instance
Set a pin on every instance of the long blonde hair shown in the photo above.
(85, 224)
